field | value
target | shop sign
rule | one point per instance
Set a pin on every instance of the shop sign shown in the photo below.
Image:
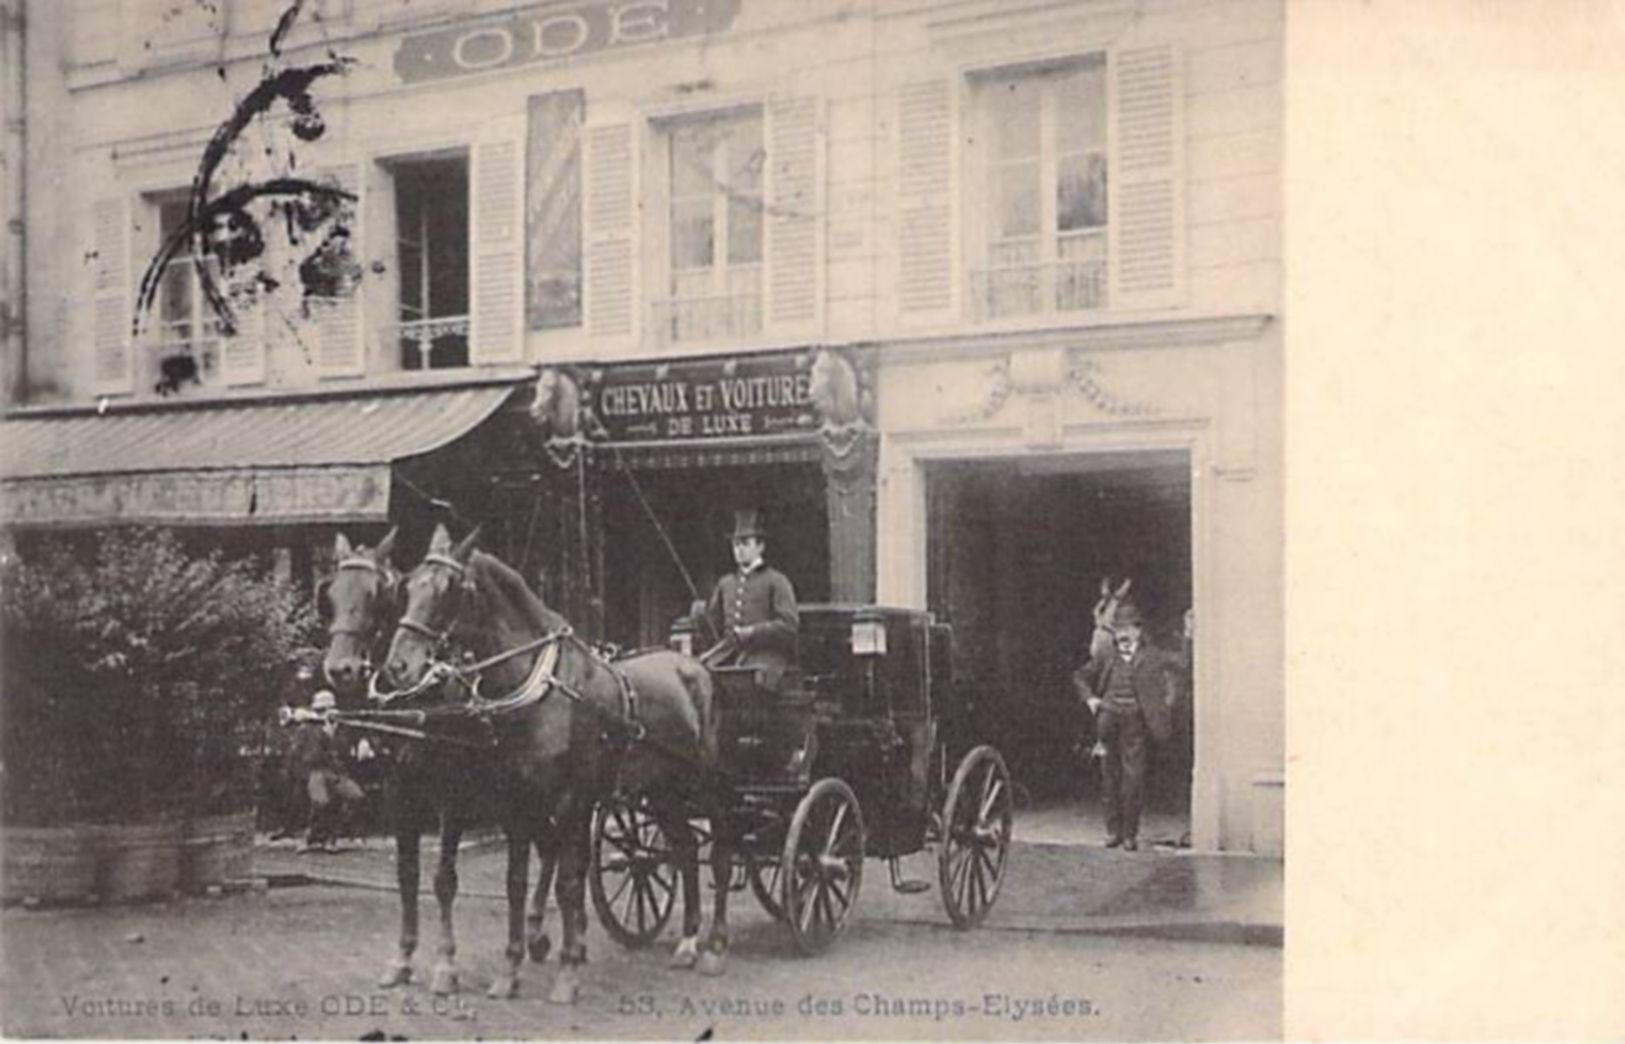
(705, 399)
(223, 497)
(557, 31)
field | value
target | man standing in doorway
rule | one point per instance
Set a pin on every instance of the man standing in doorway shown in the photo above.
(1130, 687)
(753, 610)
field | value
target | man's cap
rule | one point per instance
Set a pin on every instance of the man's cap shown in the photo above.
(747, 523)
(323, 700)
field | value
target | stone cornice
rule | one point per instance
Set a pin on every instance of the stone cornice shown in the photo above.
(417, 381)
(1144, 334)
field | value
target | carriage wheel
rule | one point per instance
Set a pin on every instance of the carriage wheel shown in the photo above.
(822, 866)
(633, 879)
(976, 837)
(765, 878)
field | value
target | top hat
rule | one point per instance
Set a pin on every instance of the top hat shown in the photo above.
(323, 700)
(1127, 614)
(747, 523)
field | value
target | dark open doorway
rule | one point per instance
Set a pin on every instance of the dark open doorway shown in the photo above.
(1017, 549)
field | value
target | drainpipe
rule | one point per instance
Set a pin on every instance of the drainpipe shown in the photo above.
(14, 164)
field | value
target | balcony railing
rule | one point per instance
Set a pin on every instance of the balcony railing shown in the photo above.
(434, 343)
(1040, 288)
(723, 317)
(178, 361)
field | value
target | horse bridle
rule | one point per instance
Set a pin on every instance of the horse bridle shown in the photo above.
(438, 640)
(367, 635)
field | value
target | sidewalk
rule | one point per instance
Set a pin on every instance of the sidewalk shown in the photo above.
(1158, 892)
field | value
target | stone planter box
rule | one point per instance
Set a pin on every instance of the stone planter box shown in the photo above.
(141, 861)
(49, 864)
(217, 851)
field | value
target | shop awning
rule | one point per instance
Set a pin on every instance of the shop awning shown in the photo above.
(228, 463)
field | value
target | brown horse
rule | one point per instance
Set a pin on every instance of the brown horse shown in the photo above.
(428, 781)
(573, 729)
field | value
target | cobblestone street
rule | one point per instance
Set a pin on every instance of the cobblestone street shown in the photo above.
(302, 962)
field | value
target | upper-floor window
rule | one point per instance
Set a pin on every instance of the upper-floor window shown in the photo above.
(1043, 242)
(431, 236)
(715, 170)
(185, 347)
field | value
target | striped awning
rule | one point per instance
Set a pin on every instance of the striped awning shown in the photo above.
(313, 460)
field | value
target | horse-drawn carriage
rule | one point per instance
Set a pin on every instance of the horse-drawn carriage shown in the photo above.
(619, 771)
(848, 759)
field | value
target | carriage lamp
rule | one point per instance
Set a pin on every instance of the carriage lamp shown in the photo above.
(682, 635)
(868, 634)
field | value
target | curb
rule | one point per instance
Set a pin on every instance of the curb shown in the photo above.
(1220, 931)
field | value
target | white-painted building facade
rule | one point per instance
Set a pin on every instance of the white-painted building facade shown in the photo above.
(1045, 235)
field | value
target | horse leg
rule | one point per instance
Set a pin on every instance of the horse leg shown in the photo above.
(407, 837)
(680, 834)
(714, 961)
(507, 985)
(547, 857)
(575, 837)
(444, 979)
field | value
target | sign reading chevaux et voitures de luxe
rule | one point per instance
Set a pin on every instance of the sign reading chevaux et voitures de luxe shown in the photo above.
(704, 399)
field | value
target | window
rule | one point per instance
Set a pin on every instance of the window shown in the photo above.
(186, 349)
(715, 229)
(1044, 135)
(431, 232)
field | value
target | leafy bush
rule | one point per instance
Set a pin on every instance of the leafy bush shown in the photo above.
(137, 677)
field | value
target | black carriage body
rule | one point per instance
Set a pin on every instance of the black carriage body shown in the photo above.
(870, 704)
(861, 753)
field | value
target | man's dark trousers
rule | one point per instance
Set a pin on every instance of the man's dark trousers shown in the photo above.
(1123, 732)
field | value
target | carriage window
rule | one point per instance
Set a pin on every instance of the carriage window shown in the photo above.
(1043, 190)
(431, 234)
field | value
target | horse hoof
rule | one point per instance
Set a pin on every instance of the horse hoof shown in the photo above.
(540, 946)
(398, 974)
(444, 983)
(686, 954)
(713, 963)
(504, 988)
(565, 990)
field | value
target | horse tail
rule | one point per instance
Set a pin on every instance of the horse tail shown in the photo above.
(697, 681)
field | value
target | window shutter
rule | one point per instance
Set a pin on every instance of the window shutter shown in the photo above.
(1146, 197)
(496, 240)
(926, 206)
(110, 294)
(611, 209)
(795, 211)
(340, 327)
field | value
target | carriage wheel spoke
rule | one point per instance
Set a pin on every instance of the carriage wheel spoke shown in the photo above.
(826, 907)
(840, 894)
(804, 914)
(993, 793)
(620, 890)
(658, 878)
(835, 829)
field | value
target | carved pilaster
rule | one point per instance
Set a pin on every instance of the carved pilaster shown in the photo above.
(842, 394)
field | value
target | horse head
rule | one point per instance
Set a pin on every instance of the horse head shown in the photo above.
(557, 406)
(833, 389)
(361, 601)
(1102, 640)
(434, 593)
